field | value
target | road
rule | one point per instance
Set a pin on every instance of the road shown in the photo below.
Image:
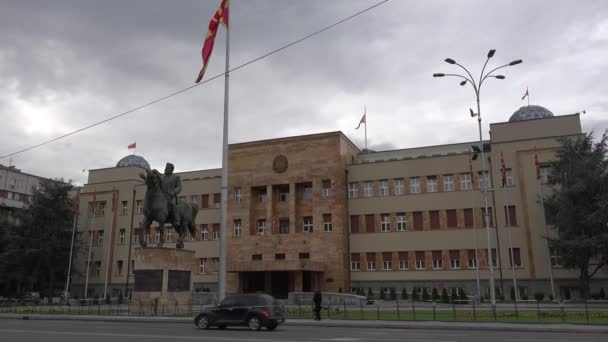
(78, 331)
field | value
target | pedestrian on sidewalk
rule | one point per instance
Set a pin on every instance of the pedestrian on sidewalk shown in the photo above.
(317, 300)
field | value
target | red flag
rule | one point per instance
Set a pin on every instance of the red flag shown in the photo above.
(526, 94)
(503, 170)
(536, 164)
(220, 17)
(132, 146)
(362, 121)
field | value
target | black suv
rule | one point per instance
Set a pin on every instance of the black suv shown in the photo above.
(252, 310)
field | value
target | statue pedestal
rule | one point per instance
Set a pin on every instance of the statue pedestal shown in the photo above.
(163, 281)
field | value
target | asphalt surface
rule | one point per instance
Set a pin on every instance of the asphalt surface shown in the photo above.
(79, 331)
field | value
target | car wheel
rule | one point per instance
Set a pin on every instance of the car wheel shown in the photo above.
(254, 323)
(202, 322)
(221, 327)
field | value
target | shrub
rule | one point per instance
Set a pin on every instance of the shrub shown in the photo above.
(108, 298)
(120, 299)
(370, 293)
(602, 293)
(382, 295)
(567, 294)
(393, 294)
(512, 293)
(404, 293)
(453, 297)
(444, 296)
(463, 295)
(434, 294)
(414, 295)
(425, 294)
(539, 296)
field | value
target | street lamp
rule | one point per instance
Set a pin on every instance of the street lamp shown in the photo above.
(468, 78)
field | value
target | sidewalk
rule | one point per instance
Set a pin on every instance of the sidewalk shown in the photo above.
(485, 326)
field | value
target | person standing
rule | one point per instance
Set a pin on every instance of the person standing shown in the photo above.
(317, 300)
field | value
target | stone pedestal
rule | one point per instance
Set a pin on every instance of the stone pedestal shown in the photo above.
(163, 281)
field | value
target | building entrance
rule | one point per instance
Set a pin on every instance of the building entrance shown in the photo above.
(278, 283)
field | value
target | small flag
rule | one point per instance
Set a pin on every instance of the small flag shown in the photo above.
(362, 120)
(525, 95)
(132, 146)
(220, 17)
(503, 170)
(536, 164)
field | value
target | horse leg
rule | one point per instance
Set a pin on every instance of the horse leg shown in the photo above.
(142, 231)
(161, 228)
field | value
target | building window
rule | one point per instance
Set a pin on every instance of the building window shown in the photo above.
(465, 182)
(454, 259)
(283, 196)
(516, 257)
(370, 227)
(157, 235)
(431, 184)
(484, 182)
(123, 207)
(418, 223)
(509, 179)
(216, 231)
(415, 185)
(256, 257)
(279, 256)
(100, 237)
(261, 227)
(306, 191)
(284, 226)
(472, 258)
(353, 188)
(326, 188)
(545, 172)
(201, 265)
(236, 228)
(387, 261)
(205, 201)
(147, 235)
(204, 232)
(468, 218)
(420, 265)
(139, 206)
(555, 258)
(403, 261)
(304, 256)
(399, 186)
(119, 267)
(383, 188)
(401, 222)
(452, 217)
(169, 234)
(434, 219)
(385, 223)
(355, 262)
(217, 200)
(494, 258)
(371, 261)
(261, 196)
(102, 208)
(327, 226)
(448, 183)
(194, 199)
(307, 224)
(437, 260)
(122, 236)
(510, 217)
(97, 268)
(354, 223)
(367, 189)
(237, 195)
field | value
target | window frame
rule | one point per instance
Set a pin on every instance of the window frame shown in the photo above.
(415, 187)
(431, 184)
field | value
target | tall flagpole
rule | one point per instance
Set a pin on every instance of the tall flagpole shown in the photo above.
(86, 283)
(224, 185)
(511, 252)
(365, 115)
(542, 207)
(67, 280)
(475, 233)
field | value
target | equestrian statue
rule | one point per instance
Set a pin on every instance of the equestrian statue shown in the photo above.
(162, 205)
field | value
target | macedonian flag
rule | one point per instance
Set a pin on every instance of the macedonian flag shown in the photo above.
(220, 17)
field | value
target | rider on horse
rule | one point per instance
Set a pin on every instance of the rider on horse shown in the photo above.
(171, 186)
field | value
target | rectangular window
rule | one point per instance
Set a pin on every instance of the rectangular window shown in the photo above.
(327, 226)
(122, 236)
(304, 256)
(204, 232)
(283, 196)
(237, 195)
(307, 224)
(448, 183)
(454, 259)
(399, 186)
(283, 226)
(484, 181)
(367, 189)
(236, 228)
(306, 191)
(494, 258)
(418, 223)
(387, 261)
(119, 267)
(261, 225)
(205, 202)
(415, 185)
(169, 234)
(201, 265)
(401, 222)
(139, 206)
(468, 218)
(452, 218)
(383, 188)
(326, 187)
(510, 217)
(509, 173)
(102, 208)
(465, 182)
(434, 219)
(385, 223)
(157, 235)
(279, 256)
(472, 258)
(369, 224)
(431, 184)
(216, 231)
(355, 262)
(100, 237)
(353, 189)
(403, 261)
(371, 261)
(420, 264)
(123, 207)
(256, 257)
(217, 200)
(261, 196)
(354, 223)
(437, 260)
(97, 268)
(545, 173)
(194, 199)
(555, 258)
(516, 257)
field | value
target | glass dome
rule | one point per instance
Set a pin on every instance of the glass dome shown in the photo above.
(133, 160)
(531, 112)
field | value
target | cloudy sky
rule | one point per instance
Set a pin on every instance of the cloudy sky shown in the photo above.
(67, 64)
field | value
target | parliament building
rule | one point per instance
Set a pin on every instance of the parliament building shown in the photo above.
(318, 212)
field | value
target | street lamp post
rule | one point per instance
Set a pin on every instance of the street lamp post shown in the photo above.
(477, 88)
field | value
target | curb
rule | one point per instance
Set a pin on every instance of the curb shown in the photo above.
(328, 323)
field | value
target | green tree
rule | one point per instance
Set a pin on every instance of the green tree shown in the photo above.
(539, 296)
(463, 296)
(404, 293)
(370, 293)
(425, 294)
(444, 296)
(414, 295)
(37, 242)
(434, 294)
(382, 294)
(393, 294)
(453, 297)
(577, 210)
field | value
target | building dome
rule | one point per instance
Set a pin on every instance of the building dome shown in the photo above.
(530, 112)
(133, 160)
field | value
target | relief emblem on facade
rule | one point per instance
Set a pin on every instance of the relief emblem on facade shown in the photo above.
(279, 165)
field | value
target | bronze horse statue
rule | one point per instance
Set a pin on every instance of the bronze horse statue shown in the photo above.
(156, 208)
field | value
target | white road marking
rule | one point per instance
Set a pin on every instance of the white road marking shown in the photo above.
(405, 333)
(523, 339)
